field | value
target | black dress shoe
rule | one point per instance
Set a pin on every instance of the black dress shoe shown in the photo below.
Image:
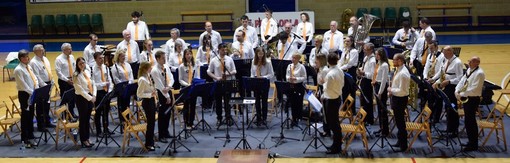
(86, 145)
(396, 144)
(150, 148)
(163, 140)
(469, 148)
(333, 151)
(325, 134)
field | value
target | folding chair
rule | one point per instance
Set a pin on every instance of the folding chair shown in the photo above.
(356, 127)
(345, 112)
(420, 125)
(8, 121)
(132, 126)
(64, 123)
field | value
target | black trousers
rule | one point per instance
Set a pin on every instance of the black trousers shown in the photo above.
(436, 105)
(470, 120)
(189, 110)
(149, 106)
(382, 109)
(399, 105)
(163, 119)
(42, 108)
(134, 68)
(419, 68)
(101, 116)
(122, 104)
(27, 114)
(452, 117)
(350, 87)
(64, 86)
(296, 100)
(84, 109)
(222, 98)
(261, 105)
(366, 87)
(331, 107)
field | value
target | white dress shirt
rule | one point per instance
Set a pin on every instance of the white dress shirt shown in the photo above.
(143, 31)
(271, 31)
(266, 71)
(145, 87)
(88, 54)
(247, 52)
(313, 54)
(62, 66)
(41, 66)
(417, 51)
(133, 48)
(334, 82)
(147, 56)
(410, 36)
(170, 45)
(215, 67)
(454, 71)
(215, 38)
(382, 76)
(174, 60)
(163, 78)
(422, 33)
(23, 79)
(184, 74)
(400, 84)
(321, 75)
(299, 73)
(251, 36)
(296, 41)
(474, 83)
(338, 40)
(309, 30)
(436, 60)
(98, 79)
(81, 85)
(202, 55)
(349, 59)
(369, 66)
(119, 72)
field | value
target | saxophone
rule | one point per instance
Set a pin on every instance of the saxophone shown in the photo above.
(463, 100)
(366, 23)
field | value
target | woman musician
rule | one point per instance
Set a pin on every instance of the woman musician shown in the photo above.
(85, 98)
(322, 66)
(121, 72)
(261, 68)
(147, 92)
(187, 71)
(380, 85)
(296, 74)
(206, 52)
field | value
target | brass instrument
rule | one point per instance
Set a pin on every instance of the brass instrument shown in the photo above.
(366, 23)
(413, 91)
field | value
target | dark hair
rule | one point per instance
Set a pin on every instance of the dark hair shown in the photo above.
(425, 20)
(382, 55)
(406, 24)
(352, 40)
(136, 14)
(77, 69)
(270, 11)
(22, 53)
(222, 45)
(332, 58)
(97, 54)
(185, 61)
(400, 56)
(283, 35)
(159, 54)
(206, 37)
(306, 15)
(92, 35)
(434, 42)
(244, 17)
(256, 57)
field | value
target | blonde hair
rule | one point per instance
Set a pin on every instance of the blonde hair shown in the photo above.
(319, 37)
(322, 59)
(144, 66)
(117, 53)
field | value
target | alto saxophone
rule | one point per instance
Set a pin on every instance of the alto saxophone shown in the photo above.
(463, 89)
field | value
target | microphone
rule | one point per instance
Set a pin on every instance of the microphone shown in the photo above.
(296, 35)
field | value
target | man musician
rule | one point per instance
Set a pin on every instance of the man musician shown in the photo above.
(42, 70)
(289, 42)
(399, 92)
(242, 48)
(138, 28)
(419, 53)
(163, 81)
(366, 72)
(470, 89)
(405, 37)
(250, 32)
(433, 66)
(355, 27)
(268, 27)
(103, 83)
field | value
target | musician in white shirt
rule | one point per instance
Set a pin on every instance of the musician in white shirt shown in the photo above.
(470, 88)
(206, 52)
(138, 28)
(187, 71)
(86, 92)
(296, 74)
(26, 83)
(333, 84)
(250, 32)
(175, 35)
(220, 69)
(288, 45)
(242, 49)
(434, 63)
(316, 50)
(64, 66)
(353, 21)
(163, 81)
(175, 58)
(104, 85)
(121, 72)
(399, 92)
(425, 27)
(380, 84)
(321, 63)
(268, 27)
(366, 72)
(349, 61)
(147, 92)
(305, 29)
(215, 37)
(420, 52)
(147, 54)
(405, 37)
(132, 51)
(42, 70)
(261, 68)
(90, 49)
(333, 38)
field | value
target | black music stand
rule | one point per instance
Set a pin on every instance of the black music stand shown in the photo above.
(39, 94)
(315, 139)
(259, 85)
(225, 86)
(442, 135)
(120, 90)
(283, 87)
(184, 94)
(243, 68)
(106, 132)
(204, 90)
(203, 73)
(280, 68)
(382, 138)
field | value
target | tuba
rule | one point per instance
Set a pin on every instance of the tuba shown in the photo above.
(366, 23)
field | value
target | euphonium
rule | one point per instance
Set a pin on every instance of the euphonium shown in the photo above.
(366, 23)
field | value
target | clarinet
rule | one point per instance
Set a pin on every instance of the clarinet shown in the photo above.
(155, 96)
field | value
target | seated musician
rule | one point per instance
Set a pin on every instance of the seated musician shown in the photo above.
(188, 70)
(296, 75)
(261, 68)
(405, 37)
(220, 69)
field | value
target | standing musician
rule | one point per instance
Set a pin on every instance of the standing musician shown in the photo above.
(322, 69)
(206, 51)
(399, 92)
(420, 53)
(470, 89)
(316, 50)
(131, 49)
(242, 49)
(333, 38)
(42, 70)
(296, 75)
(121, 72)
(287, 46)
(64, 66)
(26, 83)
(333, 83)
(268, 27)
(261, 68)
(147, 54)
(425, 27)
(103, 83)
(405, 37)
(148, 94)
(449, 77)
(305, 28)
(433, 66)
(366, 72)
(349, 60)
(175, 35)
(138, 28)
(353, 21)
(163, 81)
(187, 71)
(90, 49)
(250, 32)
(85, 98)
(215, 37)
(220, 69)
(380, 84)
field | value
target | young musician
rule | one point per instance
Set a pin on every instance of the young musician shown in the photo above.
(305, 28)
(470, 88)
(250, 32)
(322, 69)
(380, 85)
(366, 72)
(425, 27)
(121, 72)
(131, 50)
(242, 48)
(220, 69)
(349, 60)
(206, 52)
(296, 75)
(85, 97)
(187, 71)
(268, 27)
(333, 83)
(138, 28)
(90, 49)
(405, 37)
(147, 54)
(399, 92)
(163, 81)
(261, 68)
(42, 70)
(64, 66)
(175, 59)
(148, 94)
(26, 83)
(104, 85)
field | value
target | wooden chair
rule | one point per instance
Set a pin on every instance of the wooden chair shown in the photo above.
(495, 122)
(420, 125)
(8, 121)
(355, 127)
(345, 112)
(132, 126)
(64, 123)
(15, 104)
(178, 107)
(272, 102)
(54, 99)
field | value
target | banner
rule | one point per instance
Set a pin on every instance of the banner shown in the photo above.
(281, 18)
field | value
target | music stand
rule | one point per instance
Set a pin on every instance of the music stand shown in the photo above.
(187, 95)
(382, 138)
(442, 136)
(184, 94)
(225, 86)
(203, 73)
(106, 132)
(203, 90)
(39, 94)
(280, 68)
(283, 87)
(315, 139)
(259, 85)
(120, 89)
